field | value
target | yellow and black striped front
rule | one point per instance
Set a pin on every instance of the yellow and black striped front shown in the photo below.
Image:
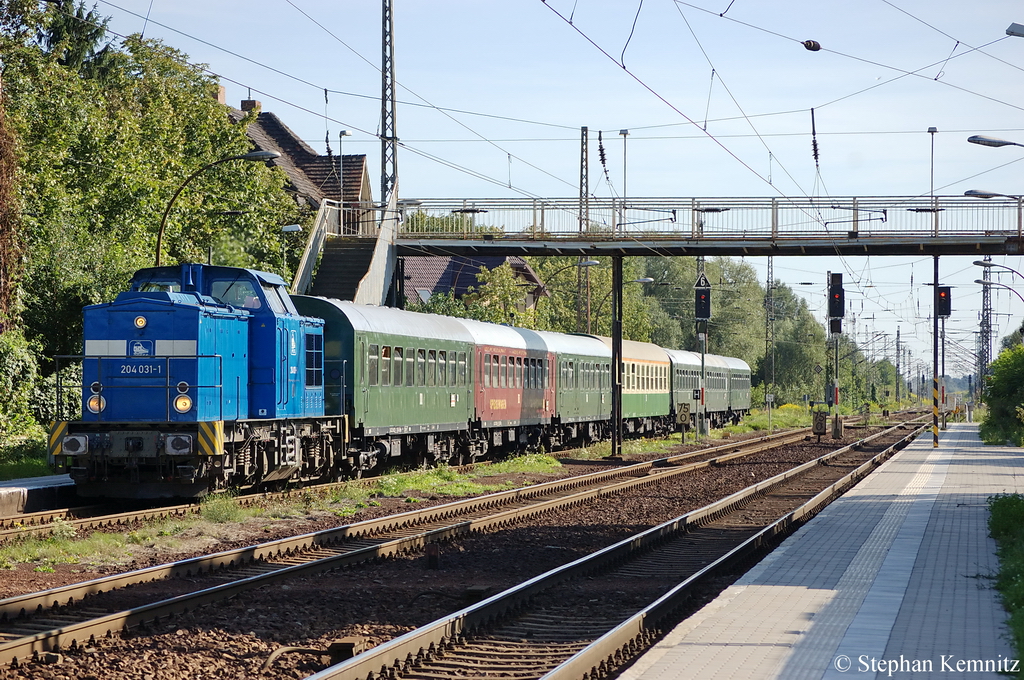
(211, 438)
(58, 429)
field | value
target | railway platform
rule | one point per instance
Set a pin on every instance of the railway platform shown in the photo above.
(31, 494)
(892, 580)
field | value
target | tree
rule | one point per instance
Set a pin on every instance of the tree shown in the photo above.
(96, 172)
(499, 298)
(1004, 395)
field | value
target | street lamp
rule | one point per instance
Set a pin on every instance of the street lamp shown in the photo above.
(287, 229)
(979, 263)
(251, 156)
(341, 178)
(985, 140)
(1001, 285)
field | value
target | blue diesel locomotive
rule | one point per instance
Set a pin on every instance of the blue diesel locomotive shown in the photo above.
(202, 378)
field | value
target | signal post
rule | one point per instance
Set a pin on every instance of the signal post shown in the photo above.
(702, 314)
(836, 312)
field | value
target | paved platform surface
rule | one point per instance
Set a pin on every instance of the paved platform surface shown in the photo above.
(891, 580)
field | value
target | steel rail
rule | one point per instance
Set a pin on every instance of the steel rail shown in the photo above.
(426, 640)
(43, 523)
(279, 557)
(602, 652)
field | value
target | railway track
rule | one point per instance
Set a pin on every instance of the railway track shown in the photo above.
(88, 517)
(588, 618)
(85, 518)
(55, 619)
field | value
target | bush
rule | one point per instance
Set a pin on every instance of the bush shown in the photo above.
(1004, 396)
(18, 374)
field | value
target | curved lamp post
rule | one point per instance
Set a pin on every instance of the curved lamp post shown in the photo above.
(985, 140)
(979, 263)
(251, 156)
(1001, 285)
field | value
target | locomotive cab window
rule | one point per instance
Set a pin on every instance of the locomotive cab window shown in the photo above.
(160, 286)
(237, 293)
(278, 299)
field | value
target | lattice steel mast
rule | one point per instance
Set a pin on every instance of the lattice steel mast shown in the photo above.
(388, 111)
(583, 273)
(985, 336)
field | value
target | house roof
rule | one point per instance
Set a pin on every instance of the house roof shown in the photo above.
(311, 175)
(425, 276)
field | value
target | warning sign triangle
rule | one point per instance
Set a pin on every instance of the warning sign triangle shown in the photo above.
(702, 282)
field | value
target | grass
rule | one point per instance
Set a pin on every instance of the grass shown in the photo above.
(24, 457)
(64, 546)
(1006, 526)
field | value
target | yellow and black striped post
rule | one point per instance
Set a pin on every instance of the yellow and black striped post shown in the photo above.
(211, 438)
(58, 428)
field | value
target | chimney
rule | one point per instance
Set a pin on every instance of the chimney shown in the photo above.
(250, 104)
(222, 97)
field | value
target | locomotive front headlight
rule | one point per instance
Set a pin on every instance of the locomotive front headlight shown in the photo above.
(140, 322)
(96, 403)
(182, 403)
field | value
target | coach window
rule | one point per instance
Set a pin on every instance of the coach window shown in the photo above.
(385, 366)
(371, 364)
(519, 372)
(442, 368)
(431, 367)
(487, 370)
(398, 366)
(410, 366)
(462, 368)
(421, 367)
(314, 360)
(451, 369)
(494, 370)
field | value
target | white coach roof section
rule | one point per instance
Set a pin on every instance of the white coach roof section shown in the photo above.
(583, 345)
(387, 319)
(682, 357)
(638, 351)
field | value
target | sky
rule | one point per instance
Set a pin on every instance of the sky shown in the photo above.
(717, 96)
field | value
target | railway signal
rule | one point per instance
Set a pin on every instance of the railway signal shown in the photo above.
(944, 307)
(702, 299)
(836, 298)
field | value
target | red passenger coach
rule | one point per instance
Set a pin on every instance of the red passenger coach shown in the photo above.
(513, 389)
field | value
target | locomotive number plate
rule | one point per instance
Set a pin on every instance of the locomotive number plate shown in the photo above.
(141, 368)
